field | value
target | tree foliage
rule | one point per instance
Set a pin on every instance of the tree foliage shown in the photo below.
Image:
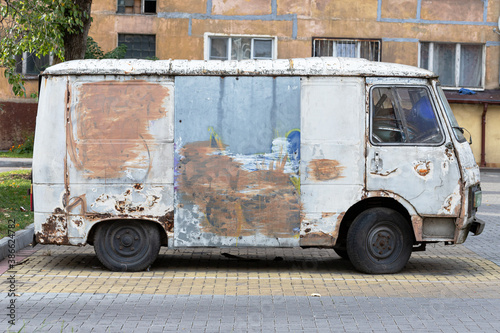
(41, 27)
(94, 51)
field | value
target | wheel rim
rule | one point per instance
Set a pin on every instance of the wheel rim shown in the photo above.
(382, 242)
(127, 242)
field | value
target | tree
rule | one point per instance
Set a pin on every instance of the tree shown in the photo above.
(94, 51)
(58, 27)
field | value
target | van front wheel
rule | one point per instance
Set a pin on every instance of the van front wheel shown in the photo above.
(379, 241)
(127, 245)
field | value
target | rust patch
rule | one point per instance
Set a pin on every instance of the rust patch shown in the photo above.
(138, 187)
(111, 132)
(423, 168)
(167, 221)
(385, 174)
(54, 231)
(319, 239)
(449, 153)
(447, 204)
(417, 223)
(324, 169)
(237, 202)
(78, 222)
(326, 215)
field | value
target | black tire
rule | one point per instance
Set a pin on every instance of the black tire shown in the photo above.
(379, 241)
(127, 245)
(342, 252)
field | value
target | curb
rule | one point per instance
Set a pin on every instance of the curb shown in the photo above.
(16, 162)
(485, 169)
(23, 238)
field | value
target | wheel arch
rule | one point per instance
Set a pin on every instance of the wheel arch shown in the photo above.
(159, 226)
(399, 205)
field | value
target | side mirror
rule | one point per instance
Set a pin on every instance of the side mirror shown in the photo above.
(463, 130)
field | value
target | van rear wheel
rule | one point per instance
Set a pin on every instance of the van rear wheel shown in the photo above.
(127, 245)
(379, 241)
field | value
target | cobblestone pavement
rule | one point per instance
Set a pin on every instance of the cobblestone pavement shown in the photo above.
(445, 289)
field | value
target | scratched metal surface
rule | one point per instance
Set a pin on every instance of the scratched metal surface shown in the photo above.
(332, 147)
(266, 160)
(114, 158)
(237, 161)
(280, 67)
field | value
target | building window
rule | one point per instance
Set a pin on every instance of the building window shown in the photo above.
(458, 65)
(30, 64)
(351, 48)
(138, 46)
(137, 6)
(239, 47)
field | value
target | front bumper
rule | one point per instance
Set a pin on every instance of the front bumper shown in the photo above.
(477, 226)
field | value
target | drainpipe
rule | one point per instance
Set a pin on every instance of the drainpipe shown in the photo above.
(483, 135)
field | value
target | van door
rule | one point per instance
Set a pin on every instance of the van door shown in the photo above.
(237, 142)
(410, 155)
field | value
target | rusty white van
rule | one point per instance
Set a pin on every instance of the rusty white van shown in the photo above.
(362, 157)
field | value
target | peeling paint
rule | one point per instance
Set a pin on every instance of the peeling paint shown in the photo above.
(320, 239)
(235, 201)
(110, 133)
(325, 169)
(54, 230)
(423, 168)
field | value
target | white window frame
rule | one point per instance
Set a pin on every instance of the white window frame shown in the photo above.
(208, 43)
(25, 64)
(457, 63)
(358, 42)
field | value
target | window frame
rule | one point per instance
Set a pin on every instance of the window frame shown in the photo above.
(432, 99)
(208, 45)
(129, 34)
(458, 47)
(143, 5)
(24, 65)
(358, 42)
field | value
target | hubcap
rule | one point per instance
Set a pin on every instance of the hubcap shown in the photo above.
(381, 242)
(126, 241)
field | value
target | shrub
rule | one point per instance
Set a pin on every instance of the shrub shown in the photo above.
(25, 147)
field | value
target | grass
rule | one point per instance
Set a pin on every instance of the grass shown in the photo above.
(14, 186)
(15, 155)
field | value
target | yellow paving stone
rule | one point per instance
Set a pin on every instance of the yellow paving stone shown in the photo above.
(300, 273)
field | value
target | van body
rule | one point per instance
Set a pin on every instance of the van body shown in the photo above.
(363, 157)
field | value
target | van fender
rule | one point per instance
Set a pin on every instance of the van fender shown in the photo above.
(165, 227)
(395, 201)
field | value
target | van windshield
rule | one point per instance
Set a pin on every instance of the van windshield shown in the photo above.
(457, 130)
(403, 115)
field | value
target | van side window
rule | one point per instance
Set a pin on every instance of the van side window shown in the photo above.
(403, 115)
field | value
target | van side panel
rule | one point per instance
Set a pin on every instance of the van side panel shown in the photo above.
(237, 142)
(332, 145)
(48, 166)
(118, 163)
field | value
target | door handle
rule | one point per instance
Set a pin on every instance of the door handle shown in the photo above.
(377, 163)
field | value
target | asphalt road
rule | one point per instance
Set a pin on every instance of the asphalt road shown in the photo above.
(444, 289)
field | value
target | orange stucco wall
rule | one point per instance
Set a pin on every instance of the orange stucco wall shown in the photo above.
(180, 27)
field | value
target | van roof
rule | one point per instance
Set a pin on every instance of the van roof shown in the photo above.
(320, 66)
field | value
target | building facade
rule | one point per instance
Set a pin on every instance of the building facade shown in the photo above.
(459, 40)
